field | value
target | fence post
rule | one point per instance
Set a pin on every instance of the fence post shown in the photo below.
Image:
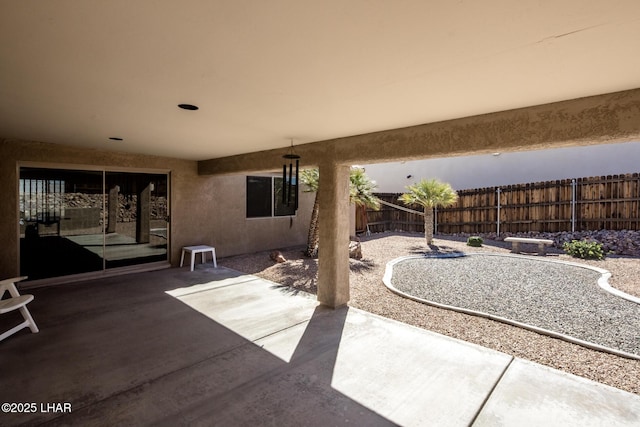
(498, 218)
(573, 205)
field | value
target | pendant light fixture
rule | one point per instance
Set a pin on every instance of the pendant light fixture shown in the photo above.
(288, 180)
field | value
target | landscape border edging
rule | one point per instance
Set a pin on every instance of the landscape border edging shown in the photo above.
(602, 282)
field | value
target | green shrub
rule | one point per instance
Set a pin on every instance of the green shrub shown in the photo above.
(475, 241)
(584, 249)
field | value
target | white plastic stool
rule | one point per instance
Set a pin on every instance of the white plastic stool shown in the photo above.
(16, 302)
(199, 249)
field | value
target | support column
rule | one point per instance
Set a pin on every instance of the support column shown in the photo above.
(333, 255)
(112, 209)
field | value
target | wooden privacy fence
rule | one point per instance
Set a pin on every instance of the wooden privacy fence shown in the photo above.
(389, 218)
(595, 203)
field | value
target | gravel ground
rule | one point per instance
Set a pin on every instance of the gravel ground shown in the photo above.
(369, 293)
(549, 295)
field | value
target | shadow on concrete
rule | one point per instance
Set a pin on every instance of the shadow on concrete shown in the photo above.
(122, 351)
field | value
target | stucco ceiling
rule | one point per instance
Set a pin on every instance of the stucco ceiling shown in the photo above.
(265, 72)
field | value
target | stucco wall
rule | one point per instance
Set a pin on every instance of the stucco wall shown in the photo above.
(235, 234)
(204, 209)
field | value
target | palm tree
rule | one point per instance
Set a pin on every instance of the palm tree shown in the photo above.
(310, 178)
(360, 192)
(429, 194)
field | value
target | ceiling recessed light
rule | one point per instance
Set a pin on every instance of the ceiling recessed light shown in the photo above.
(190, 107)
(115, 138)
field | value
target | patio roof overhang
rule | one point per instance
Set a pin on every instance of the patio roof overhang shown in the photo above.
(601, 119)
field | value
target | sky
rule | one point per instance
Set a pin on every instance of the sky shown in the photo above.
(499, 169)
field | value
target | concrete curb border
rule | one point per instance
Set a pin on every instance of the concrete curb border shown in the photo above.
(602, 282)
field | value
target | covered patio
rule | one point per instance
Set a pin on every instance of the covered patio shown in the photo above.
(210, 93)
(219, 347)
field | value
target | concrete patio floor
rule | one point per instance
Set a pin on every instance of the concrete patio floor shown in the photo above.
(217, 347)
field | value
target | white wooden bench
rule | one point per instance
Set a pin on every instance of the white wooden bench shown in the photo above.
(515, 243)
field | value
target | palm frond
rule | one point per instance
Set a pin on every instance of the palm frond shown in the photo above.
(361, 189)
(430, 193)
(310, 178)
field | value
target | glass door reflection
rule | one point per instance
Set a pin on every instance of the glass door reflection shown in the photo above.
(136, 218)
(61, 217)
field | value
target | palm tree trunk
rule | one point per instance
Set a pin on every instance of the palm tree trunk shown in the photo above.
(314, 232)
(428, 224)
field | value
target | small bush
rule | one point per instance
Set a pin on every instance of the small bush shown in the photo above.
(584, 249)
(475, 241)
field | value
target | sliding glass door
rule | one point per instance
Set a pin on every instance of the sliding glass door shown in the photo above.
(80, 221)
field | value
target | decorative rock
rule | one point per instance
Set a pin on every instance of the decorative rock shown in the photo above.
(126, 211)
(355, 249)
(277, 257)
